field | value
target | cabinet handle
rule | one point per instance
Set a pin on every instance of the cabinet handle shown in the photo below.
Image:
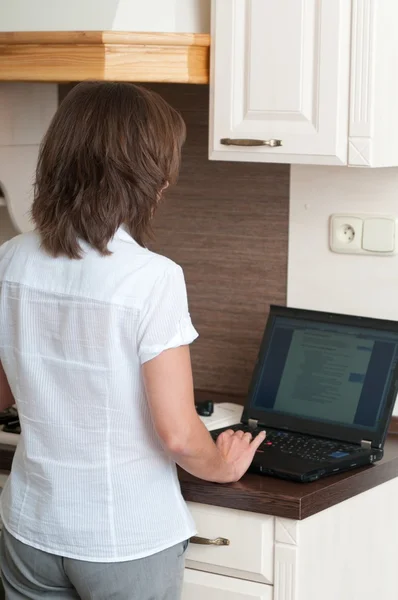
(208, 542)
(247, 142)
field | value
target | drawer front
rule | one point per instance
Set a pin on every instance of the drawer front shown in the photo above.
(206, 586)
(250, 553)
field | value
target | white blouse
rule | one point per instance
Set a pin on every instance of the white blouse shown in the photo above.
(90, 479)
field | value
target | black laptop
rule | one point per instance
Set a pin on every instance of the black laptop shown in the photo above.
(324, 388)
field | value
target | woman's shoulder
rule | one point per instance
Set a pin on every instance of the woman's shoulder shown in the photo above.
(161, 265)
(23, 240)
(160, 273)
(135, 278)
(140, 260)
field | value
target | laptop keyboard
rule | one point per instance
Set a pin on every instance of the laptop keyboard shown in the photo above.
(303, 446)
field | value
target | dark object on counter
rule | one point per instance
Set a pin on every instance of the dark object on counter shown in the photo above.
(10, 414)
(13, 427)
(204, 409)
(10, 421)
(323, 388)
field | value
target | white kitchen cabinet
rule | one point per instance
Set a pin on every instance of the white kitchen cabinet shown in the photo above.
(373, 126)
(346, 552)
(280, 72)
(205, 586)
(313, 75)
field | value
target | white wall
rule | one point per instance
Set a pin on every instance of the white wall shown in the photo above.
(26, 110)
(7, 229)
(53, 15)
(193, 16)
(190, 16)
(320, 279)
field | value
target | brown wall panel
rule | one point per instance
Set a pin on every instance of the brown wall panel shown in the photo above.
(227, 225)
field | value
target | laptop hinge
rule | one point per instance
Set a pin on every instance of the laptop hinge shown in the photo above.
(366, 444)
(253, 423)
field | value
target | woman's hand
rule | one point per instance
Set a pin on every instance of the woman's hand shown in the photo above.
(238, 450)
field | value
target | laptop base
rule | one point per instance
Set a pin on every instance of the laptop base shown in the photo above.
(285, 464)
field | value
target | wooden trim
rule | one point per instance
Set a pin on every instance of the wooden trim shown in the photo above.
(104, 37)
(60, 56)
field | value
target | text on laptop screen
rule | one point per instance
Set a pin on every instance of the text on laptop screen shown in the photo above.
(326, 372)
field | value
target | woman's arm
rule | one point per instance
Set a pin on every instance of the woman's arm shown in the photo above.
(169, 389)
(6, 397)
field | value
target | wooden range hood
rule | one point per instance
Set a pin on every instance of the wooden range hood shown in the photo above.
(62, 56)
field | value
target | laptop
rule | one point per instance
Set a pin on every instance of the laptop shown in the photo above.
(323, 388)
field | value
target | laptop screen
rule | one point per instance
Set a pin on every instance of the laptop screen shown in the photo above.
(327, 372)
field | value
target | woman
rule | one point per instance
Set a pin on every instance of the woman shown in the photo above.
(94, 335)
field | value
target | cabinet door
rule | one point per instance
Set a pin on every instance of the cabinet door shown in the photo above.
(374, 92)
(206, 586)
(280, 71)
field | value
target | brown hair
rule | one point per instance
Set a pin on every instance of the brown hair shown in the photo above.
(109, 151)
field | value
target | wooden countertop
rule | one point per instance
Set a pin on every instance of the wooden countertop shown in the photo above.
(268, 495)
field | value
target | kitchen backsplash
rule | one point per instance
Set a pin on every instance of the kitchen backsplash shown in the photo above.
(227, 225)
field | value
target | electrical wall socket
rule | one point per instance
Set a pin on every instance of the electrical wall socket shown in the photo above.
(364, 234)
(346, 233)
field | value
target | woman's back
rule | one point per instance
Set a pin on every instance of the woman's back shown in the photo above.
(90, 478)
(94, 336)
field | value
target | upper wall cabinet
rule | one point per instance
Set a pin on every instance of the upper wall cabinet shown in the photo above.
(304, 82)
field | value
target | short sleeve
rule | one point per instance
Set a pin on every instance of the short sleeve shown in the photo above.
(165, 321)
